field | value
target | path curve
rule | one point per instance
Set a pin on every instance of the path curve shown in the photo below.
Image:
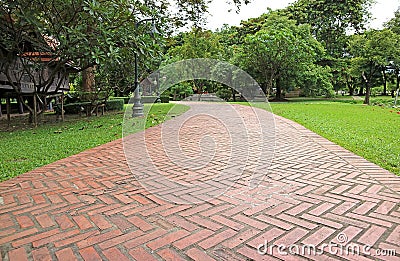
(90, 207)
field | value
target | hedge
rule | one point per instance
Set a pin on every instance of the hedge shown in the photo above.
(126, 99)
(164, 99)
(71, 108)
(115, 105)
(148, 99)
(144, 99)
(75, 108)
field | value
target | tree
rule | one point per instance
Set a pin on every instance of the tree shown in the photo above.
(95, 37)
(394, 23)
(74, 33)
(196, 44)
(279, 53)
(191, 12)
(181, 91)
(220, 71)
(330, 20)
(394, 26)
(372, 50)
(316, 81)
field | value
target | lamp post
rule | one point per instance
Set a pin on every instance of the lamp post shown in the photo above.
(158, 100)
(137, 109)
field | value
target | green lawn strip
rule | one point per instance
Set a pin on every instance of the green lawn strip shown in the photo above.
(371, 132)
(387, 100)
(25, 150)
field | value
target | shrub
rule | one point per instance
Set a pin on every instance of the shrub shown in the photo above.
(148, 99)
(382, 102)
(115, 105)
(349, 101)
(164, 99)
(224, 93)
(126, 99)
(71, 108)
(75, 108)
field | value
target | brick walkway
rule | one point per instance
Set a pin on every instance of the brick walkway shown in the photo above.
(91, 207)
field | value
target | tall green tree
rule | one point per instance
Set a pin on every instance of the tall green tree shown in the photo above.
(197, 43)
(280, 53)
(330, 20)
(191, 12)
(394, 23)
(394, 26)
(372, 50)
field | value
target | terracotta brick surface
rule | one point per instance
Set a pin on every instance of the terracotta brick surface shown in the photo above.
(89, 254)
(66, 254)
(199, 255)
(141, 254)
(24, 221)
(187, 206)
(169, 255)
(18, 254)
(41, 254)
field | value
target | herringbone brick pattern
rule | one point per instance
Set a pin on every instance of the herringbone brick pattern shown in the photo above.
(91, 207)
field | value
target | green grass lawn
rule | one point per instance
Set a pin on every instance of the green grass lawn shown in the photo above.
(372, 132)
(26, 149)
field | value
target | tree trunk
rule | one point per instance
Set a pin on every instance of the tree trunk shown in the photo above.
(199, 86)
(62, 107)
(45, 104)
(233, 94)
(361, 91)
(88, 81)
(35, 114)
(278, 89)
(397, 87)
(264, 87)
(20, 105)
(367, 93)
(350, 85)
(384, 78)
(8, 108)
(351, 90)
(33, 110)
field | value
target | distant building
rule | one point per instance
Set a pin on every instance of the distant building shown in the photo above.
(16, 78)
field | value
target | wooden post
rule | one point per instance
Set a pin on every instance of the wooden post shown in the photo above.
(44, 103)
(62, 107)
(42, 106)
(20, 105)
(8, 108)
(1, 114)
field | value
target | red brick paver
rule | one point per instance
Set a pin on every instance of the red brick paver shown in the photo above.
(91, 207)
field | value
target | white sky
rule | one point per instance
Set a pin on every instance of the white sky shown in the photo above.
(381, 11)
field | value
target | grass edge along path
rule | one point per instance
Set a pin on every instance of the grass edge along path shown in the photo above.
(25, 150)
(371, 132)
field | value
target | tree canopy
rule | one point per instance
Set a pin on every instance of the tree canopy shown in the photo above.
(372, 51)
(330, 20)
(280, 54)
